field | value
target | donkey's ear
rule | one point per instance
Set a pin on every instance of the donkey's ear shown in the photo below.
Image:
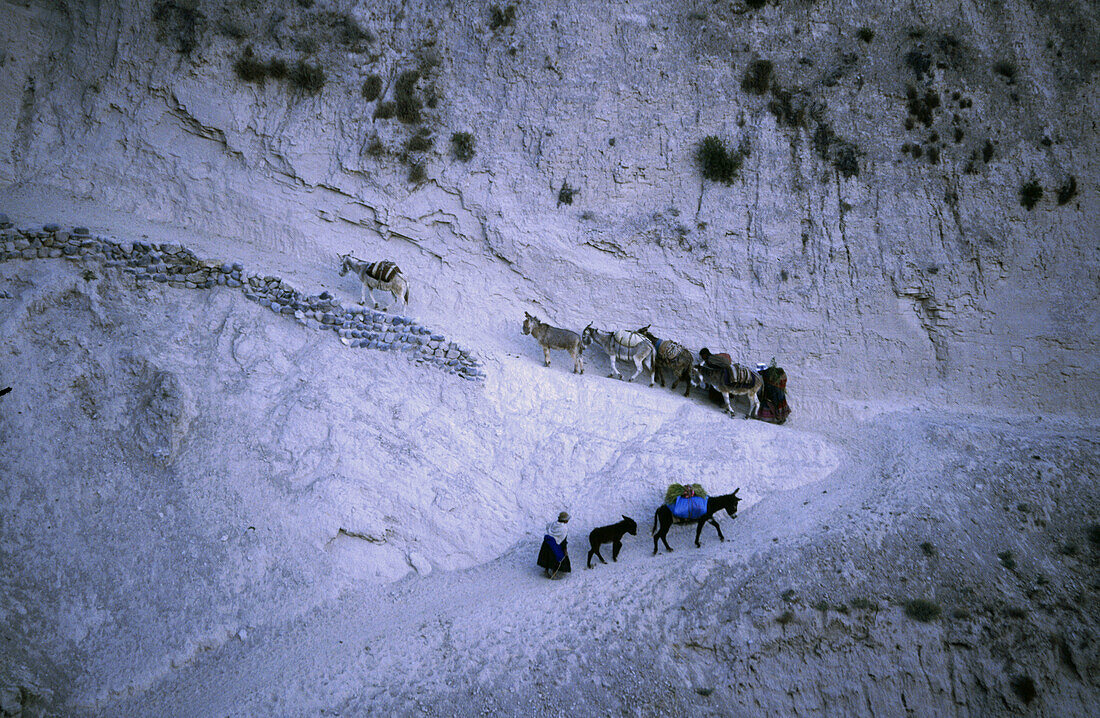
(626, 517)
(644, 329)
(736, 490)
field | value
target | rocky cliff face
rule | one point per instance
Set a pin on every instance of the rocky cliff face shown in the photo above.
(898, 201)
(883, 235)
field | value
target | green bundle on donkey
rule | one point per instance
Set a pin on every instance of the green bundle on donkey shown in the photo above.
(676, 491)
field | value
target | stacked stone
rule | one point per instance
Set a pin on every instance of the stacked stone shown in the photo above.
(178, 266)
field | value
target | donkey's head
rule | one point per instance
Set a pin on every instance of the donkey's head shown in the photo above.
(587, 334)
(344, 263)
(728, 502)
(630, 526)
(644, 331)
(528, 322)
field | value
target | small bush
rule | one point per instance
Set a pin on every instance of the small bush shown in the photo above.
(178, 22)
(1008, 560)
(306, 77)
(919, 62)
(372, 88)
(277, 69)
(922, 107)
(784, 618)
(1068, 549)
(462, 145)
(344, 29)
(987, 151)
(499, 18)
(928, 548)
(961, 613)
(934, 155)
(1016, 612)
(717, 163)
(756, 4)
(790, 595)
(385, 110)
(1030, 194)
(417, 173)
(420, 142)
(1024, 688)
(407, 109)
(922, 609)
(865, 604)
(865, 34)
(1094, 534)
(958, 135)
(787, 108)
(845, 159)
(249, 68)
(1066, 192)
(1005, 69)
(821, 605)
(757, 77)
(566, 194)
(375, 148)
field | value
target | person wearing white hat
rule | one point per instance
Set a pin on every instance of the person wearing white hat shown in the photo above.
(554, 556)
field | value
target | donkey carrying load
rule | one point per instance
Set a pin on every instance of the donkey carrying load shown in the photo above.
(672, 358)
(624, 345)
(385, 276)
(554, 338)
(712, 505)
(726, 377)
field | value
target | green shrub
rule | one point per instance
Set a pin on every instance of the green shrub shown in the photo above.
(716, 162)
(934, 155)
(1024, 687)
(407, 109)
(499, 18)
(789, 109)
(919, 62)
(462, 145)
(1008, 560)
(865, 34)
(1030, 194)
(375, 148)
(821, 605)
(566, 194)
(372, 88)
(417, 173)
(1066, 192)
(987, 151)
(178, 22)
(249, 68)
(928, 548)
(306, 77)
(758, 76)
(784, 618)
(385, 110)
(420, 142)
(1005, 69)
(922, 609)
(756, 4)
(1016, 612)
(961, 613)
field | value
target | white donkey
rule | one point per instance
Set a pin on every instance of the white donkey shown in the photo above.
(625, 345)
(386, 276)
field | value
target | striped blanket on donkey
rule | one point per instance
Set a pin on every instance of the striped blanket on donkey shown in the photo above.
(686, 502)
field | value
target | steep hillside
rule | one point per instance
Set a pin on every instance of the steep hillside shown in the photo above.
(204, 485)
(875, 235)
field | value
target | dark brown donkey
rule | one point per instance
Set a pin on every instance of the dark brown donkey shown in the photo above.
(714, 505)
(673, 358)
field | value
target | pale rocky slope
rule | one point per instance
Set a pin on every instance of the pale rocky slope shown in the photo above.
(200, 493)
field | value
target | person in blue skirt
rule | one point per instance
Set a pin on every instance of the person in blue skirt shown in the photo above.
(554, 555)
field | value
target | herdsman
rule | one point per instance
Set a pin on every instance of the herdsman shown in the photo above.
(554, 556)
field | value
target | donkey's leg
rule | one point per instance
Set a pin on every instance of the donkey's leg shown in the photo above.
(754, 406)
(637, 368)
(546, 356)
(363, 295)
(614, 369)
(699, 531)
(726, 397)
(615, 548)
(719, 528)
(578, 367)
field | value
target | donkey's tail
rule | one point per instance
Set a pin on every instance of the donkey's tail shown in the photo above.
(406, 296)
(653, 531)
